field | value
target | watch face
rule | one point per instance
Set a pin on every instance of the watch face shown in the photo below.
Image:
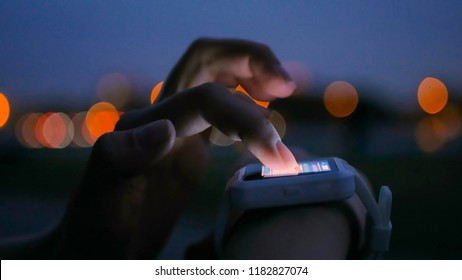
(303, 168)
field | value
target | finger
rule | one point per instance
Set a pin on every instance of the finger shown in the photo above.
(231, 62)
(264, 111)
(196, 109)
(264, 78)
(131, 152)
(266, 84)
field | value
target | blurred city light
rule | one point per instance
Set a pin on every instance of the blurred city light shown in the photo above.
(434, 131)
(430, 134)
(4, 109)
(278, 122)
(264, 104)
(101, 118)
(452, 118)
(432, 95)
(53, 130)
(25, 130)
(82, 137)
(156, 91)
(340, 99)
(58, 130)
(219, 138)
(114, 88)
(38, 130)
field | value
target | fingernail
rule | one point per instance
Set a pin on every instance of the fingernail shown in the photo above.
(292, 84)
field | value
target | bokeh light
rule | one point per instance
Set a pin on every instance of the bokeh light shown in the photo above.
(278, 122)
(430, 134)
(452, 118)
(53, 130)
(114, 88)
(219, 138)
(264, 104)
(432, 95)
(38, 129)
(25, 130)
(101, 118)
(57, 130)
(4, 109)
(340, 99)
(436, 130)
(156, 91)
(82, 136)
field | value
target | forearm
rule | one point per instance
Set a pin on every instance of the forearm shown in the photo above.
(36, 246)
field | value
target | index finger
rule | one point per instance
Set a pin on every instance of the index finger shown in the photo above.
(196, 109)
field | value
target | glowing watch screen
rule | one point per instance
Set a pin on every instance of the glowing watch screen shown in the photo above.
(303, 168)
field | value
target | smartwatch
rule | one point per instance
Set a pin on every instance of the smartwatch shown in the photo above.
(316, 181)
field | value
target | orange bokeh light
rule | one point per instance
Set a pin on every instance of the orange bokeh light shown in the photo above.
(57, 130)
(340, 99)
(82, 137)
(54, 130)
(4, 109)
(264, 104)
(25, 130)
(432, 95)
(452, 117)
(101, 118)
(431, 134)
(38, 130)
(156, 91)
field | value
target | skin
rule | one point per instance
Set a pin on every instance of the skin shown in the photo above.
(140, 177)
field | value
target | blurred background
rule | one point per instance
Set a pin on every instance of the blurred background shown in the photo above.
(379, 84)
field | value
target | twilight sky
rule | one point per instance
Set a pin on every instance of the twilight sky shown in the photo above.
(60, 49)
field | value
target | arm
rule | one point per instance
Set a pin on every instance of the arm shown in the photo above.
(139, 178)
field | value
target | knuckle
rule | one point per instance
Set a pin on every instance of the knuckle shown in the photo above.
(208, 91)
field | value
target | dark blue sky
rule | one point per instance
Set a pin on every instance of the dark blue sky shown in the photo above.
(60, 49)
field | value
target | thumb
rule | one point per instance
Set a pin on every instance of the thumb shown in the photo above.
(130, 152)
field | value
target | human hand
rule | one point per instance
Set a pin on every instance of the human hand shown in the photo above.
(231, 62)
(137, 181)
